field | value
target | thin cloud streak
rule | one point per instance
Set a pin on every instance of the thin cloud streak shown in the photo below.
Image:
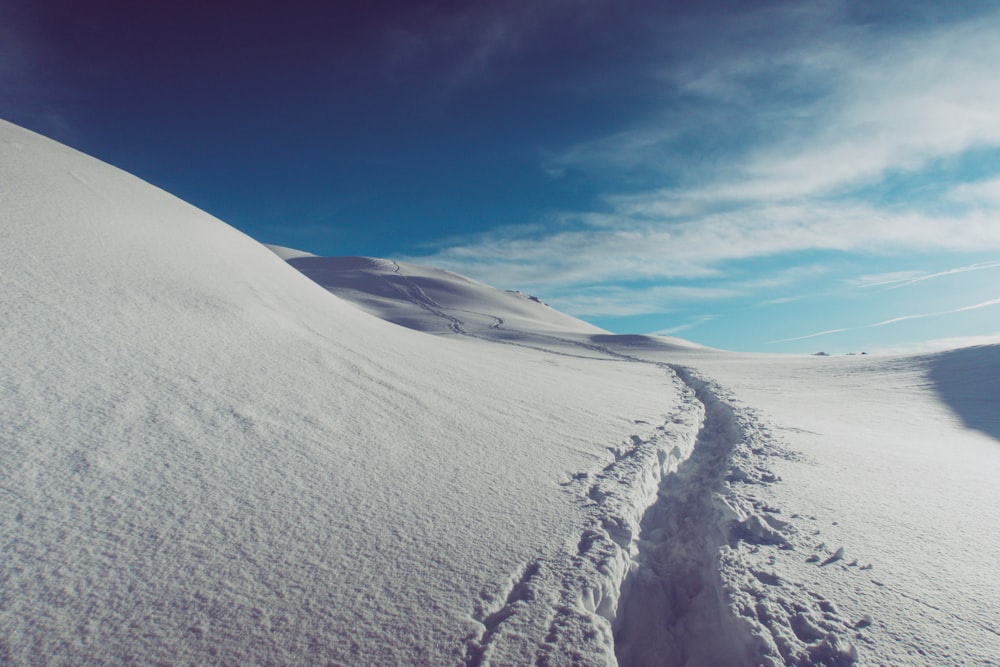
(941, 274)
(781, 300)
(812, 335)
(623, 301)
(894, 320)
(897, 279)
(883, 279)
(469, 44)
(686, 327)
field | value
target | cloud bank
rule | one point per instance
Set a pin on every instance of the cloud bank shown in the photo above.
(775, 146)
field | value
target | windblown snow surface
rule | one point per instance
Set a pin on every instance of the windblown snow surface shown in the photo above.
(211, 455)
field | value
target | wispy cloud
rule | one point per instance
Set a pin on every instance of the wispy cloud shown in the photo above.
(978, 193)
(897, 279)
(812, 335)
(687, 326)
(638, 243)
(894, 320)
(950, 272)
(625, 301)
(894, 104)
(863, 105)
(882, 279)
(781, 300)
(468, 43)
(844, 105)
(770, 144)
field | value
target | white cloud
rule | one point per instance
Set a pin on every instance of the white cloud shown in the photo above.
(805, 122)
(980, 193)
(621, 301)
(894, 106)
(638, 246)
(811, 115)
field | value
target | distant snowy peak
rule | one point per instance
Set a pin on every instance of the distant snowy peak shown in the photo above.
(287, 253)
(432, 300)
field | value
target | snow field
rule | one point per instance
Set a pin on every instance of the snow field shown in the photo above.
(883, 498)
(679, 610)
(207, 458)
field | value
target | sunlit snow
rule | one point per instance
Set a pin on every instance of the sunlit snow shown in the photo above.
(217, 452)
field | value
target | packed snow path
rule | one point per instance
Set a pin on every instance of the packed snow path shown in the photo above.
(675, 611)
(562, 608)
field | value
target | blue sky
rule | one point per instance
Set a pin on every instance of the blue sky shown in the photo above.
(778, 177)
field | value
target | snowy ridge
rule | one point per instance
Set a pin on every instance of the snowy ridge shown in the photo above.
(287, 253)
(431, 300)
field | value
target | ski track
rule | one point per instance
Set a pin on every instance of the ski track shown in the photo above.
(672, 566)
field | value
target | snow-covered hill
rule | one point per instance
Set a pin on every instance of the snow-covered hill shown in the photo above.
(432, 300)
(207, 458)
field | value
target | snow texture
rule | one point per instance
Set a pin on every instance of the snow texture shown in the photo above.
(208, 458)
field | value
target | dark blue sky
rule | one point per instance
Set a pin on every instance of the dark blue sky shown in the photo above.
(387, 124)
(749, 175)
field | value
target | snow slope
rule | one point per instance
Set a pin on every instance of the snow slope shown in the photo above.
(207, 458)
(434, 300)
(870, 549)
